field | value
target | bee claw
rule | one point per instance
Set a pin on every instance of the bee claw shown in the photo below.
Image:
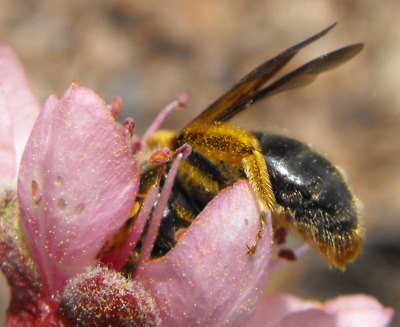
(251, 250)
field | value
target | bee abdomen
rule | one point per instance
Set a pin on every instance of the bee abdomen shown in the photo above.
(314, 198)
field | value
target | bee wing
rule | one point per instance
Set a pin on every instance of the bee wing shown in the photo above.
(300, 77)
(249, 84)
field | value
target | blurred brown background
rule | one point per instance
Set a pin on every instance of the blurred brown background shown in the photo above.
(145, 51)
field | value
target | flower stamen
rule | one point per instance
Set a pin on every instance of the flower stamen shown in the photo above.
(116, 106)
(151, 236)
(180, 103)
(279, 263)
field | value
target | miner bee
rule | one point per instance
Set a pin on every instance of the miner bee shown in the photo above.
(302, 189)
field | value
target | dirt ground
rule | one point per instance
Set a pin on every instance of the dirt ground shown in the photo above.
(145, 51)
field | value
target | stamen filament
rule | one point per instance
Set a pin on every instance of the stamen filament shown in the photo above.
(158, 214)
(177, 104)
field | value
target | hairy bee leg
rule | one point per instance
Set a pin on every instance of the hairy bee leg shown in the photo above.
(255, 168)
(251, 250)
(242, 151)
(256, 171)
(238, 148)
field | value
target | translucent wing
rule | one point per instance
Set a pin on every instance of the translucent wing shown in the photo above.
(246, 91)
(300, 77)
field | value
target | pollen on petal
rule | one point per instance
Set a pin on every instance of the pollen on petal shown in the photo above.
(208, 279)
(77, 184)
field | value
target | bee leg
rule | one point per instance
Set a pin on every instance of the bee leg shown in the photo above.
(256, 171)
(238, 152)
(252, 249)
(255, 168)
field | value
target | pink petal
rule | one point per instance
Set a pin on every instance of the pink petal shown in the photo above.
(359, 310)
(18, 100)
(208, 279)
(7, 152)
(77, 184)
(309, 318)
(273, 308)
(282, 310)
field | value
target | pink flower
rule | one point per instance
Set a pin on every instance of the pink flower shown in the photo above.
(283, 310)
(76, 186)
(18, 111)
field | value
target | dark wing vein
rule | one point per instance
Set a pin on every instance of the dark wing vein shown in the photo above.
(249, 84)
(300, 77)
